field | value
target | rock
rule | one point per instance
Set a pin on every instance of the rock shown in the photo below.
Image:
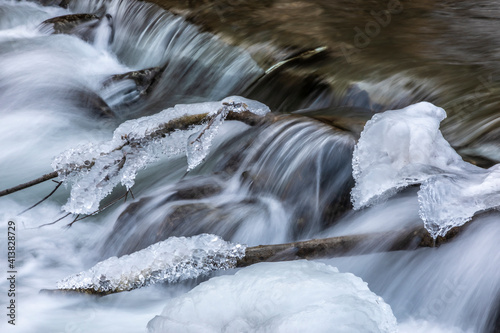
(153, 219)
(93, 103)
(144, 79)
(68, 23)
(83, 26)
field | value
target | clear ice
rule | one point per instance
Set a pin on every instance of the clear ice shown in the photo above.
(298, 296)
(399, 148)
(94, 169)
(172, 260)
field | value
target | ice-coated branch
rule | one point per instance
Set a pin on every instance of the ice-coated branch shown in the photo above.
(173, 260)
(95, 169)
(178, 259)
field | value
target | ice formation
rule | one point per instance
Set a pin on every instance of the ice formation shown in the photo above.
(399, 148)
(95, 169)
(172, 260)
(299, 296)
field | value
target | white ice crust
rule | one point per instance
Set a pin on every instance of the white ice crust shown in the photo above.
(116, 161)
(172, 260)
(299, 296)
(403, 147)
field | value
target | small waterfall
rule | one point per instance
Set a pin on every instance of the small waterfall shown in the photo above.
(258, 197)
(196, 66)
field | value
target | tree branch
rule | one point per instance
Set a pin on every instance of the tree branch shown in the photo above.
(33, 182)
(410, 239)
(182, 123)
(45, 198)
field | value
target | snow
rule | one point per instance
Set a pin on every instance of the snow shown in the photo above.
(172, 260)
(404, 147)
(300, 296)
(135, 145)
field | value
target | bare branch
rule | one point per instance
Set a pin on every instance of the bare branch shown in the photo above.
(39, 202)
(51, 223)
(33, 182)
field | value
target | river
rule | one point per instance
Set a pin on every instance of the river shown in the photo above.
(66, 84)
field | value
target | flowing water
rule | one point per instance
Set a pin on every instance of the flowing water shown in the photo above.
(286, 180)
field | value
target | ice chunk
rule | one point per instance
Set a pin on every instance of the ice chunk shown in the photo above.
(399, 148)
(94, 169)
(403, 147)
(172, 260)
(298, 296)
(447, 201)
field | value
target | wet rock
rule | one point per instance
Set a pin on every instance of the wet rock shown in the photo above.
(83, 26)
(178, 203)
(67, 24)
(60, 3)
(93, 103)
(126, 89)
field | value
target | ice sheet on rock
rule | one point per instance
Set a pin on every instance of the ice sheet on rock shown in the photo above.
(298, 296)
(399, 148)
(172, 260)
(95, 169)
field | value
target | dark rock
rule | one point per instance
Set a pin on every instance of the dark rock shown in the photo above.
(93, 103)
(68, 23)
(60, 3)
(144, 79)
(81, 25)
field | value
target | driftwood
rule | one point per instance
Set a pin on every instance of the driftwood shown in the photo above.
(410, 239)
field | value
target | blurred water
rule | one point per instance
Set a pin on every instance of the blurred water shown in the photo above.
(285, 181)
